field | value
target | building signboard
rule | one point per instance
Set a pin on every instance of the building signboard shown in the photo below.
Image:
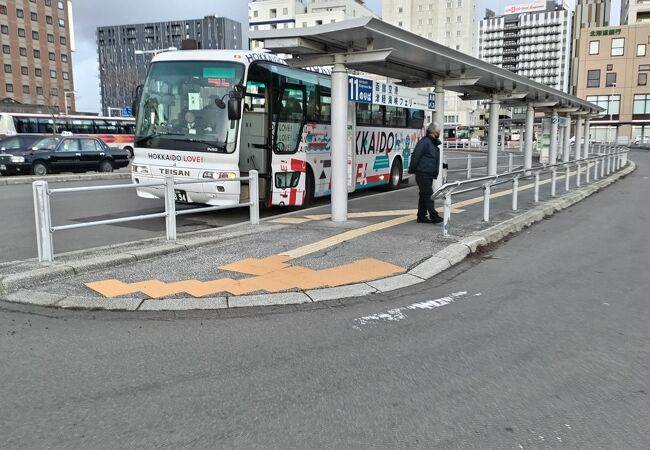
(525, 8)
(612, 32)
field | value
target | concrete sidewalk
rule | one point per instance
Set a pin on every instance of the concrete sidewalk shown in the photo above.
(300, 257)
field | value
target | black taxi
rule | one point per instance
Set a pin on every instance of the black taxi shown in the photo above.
(64, 153)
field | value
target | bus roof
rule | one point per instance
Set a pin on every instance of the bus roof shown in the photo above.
(241, 56)
(62, 116)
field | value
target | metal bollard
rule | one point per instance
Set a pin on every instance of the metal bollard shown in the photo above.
(44, 240)
(486, 202)
(446, 215)
(510, 162)
(567, 179)
(609, 162)
(170, 208)
(578, 174)
(469, 166)
(553, 181)
(596, 165)
(515, 192)
(536, 187)
(587, 177)
(254, 197)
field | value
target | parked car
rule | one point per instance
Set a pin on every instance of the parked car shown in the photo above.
(63, 154)
(641, 140)
(18, 142)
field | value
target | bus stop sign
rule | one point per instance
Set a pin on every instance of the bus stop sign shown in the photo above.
(126, 111)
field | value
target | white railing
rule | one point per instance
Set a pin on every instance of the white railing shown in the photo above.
(471, 161)
(45, 230)
(609, 159)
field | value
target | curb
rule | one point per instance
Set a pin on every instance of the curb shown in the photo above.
(11, 180)
(12, 287)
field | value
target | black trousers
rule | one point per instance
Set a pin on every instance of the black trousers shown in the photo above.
(425, 203)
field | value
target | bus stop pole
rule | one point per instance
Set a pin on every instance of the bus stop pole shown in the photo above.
(439, 116)
(493, 136)
(339, 141)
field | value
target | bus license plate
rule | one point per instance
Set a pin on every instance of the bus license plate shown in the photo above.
(181, 196)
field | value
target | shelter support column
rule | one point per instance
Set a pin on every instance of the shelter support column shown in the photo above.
(493, 136)
(560, 143)
(566, 144)
(552, 157)
(439, 117)
(528, 147)
(577, 145)
(585, 147)
(339, 180)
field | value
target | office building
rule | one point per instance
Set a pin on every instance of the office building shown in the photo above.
(613, 72)
(448, 22)
(125, 51)
(37, 44)
(588, 14)
(634, 11)
(532, 40)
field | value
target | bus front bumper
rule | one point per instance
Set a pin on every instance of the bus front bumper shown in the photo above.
(214, 193)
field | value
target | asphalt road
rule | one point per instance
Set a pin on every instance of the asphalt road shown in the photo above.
(542, 342)
(17, 228)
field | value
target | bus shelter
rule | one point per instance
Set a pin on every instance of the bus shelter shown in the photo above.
(371, 45)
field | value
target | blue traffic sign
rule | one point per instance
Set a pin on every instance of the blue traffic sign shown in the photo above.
(126, 111)
(359, 90)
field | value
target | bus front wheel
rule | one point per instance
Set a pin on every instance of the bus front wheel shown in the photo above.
(395, 175)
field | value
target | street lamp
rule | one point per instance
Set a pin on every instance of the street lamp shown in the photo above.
(65, 98)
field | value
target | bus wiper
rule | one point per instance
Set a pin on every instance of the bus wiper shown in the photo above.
(145, 139)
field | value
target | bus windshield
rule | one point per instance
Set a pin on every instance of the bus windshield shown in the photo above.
(184, 106)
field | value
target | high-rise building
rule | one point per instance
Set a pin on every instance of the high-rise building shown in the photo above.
(37, 44)
(635, 11)
(532, 40)
(448, 22)
(588, 14)
(126, 50)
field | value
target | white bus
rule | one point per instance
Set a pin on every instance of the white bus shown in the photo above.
(205, 114)
(115, 131)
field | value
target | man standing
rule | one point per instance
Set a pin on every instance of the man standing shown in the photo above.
(425, 162)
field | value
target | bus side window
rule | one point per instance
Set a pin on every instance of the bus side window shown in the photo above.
(364, 114)
(25, 125)
(325, 98)
(45, 126)
(416, 118)
(377, 115)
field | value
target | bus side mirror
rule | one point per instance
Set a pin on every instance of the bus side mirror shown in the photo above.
(136, 100)
(234, 109)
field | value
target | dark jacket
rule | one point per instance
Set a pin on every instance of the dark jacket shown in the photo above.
(426, 157)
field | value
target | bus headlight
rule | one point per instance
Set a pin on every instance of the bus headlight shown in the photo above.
(217, 175)
(139, 169)
(17, 159)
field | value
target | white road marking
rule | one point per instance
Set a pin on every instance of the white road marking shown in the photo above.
(397, 314)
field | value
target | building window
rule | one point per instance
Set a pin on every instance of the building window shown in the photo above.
(7, 68)
(34, 16)
(6, 49)
(54, 92)
(285, 11)
(642, 79)
(24, 70)
(401, 10)
(35, 35)
(50, 38)
(399, 24)
(48, 2)
(273, 13)
(38, 72)
(594, 47)
(59, 4)
(62, 40)
(611, 103)
(618, 46)
(21, 32)
(37, 54)
(419, 7)
(644, 67)
(25, 89)
(66, 76)
(9, 87)
(641, 104)
(4, 29)
(64, 57)
(3, 9)
(610, 66)
(53, 74)
(255, 13)
(593, 78)
(448, 34)
(459, 19)
(48, 20)
(19, 13)
(420, 22)
(39, 90)
(449, 5)
(23, 51)
(448, 19)
(610, 79)
(52, 56)
(640, 50)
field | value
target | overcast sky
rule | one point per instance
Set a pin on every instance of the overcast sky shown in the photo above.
(90, 14)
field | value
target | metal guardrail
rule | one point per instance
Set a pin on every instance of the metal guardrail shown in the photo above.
(45, 230)
(470, 168)
(609, 159)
